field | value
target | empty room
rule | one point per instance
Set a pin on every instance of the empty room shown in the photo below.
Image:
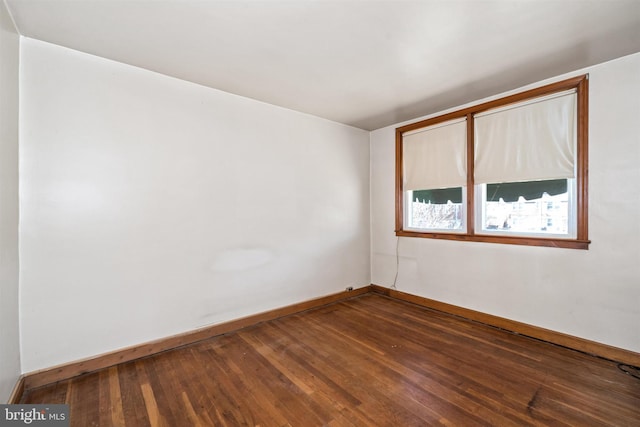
(319, 213)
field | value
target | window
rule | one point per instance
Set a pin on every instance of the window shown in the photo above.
(512, 170)
(436, 174)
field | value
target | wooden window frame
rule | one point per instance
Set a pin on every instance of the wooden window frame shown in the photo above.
(581, 241)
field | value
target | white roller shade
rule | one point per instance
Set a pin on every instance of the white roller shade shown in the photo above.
(529, 141)
(435, 157)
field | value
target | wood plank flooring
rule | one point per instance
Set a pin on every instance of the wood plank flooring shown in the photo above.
(366, 361)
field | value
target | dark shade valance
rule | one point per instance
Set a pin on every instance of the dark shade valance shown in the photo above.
(530, 190)
(507, 191)
(439, 196)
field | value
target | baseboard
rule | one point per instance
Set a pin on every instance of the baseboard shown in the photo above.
(69, 370)
(72, 369)
(18, 391)
(580, 344)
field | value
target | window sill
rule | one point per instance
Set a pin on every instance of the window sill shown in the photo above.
(507, 240)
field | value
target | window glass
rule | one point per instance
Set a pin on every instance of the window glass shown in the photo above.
(438, 209)
(530, 207)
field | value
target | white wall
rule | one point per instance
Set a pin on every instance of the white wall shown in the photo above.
(592, 294)
(152, 206)
(9, 321)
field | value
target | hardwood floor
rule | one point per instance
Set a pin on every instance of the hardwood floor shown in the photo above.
(367, 361)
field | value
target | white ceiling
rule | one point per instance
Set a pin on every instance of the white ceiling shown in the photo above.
(364, 63)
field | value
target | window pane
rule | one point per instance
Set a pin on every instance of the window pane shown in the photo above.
(535, 207)
(530, 190)
(438, 209)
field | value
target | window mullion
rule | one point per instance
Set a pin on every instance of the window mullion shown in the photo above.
(471, 213)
